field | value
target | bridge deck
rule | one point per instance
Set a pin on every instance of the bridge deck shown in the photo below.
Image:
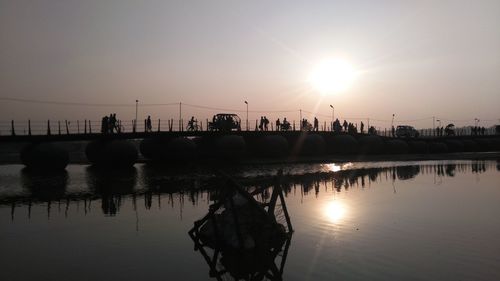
(142, 135)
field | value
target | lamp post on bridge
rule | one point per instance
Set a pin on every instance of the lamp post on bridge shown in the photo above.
(393, 131)
(136, 110)
(333, 115)
(247, 114)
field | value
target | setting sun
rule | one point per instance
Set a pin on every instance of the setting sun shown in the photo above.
(332, 76)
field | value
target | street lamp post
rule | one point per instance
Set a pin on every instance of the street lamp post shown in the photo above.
(247, 114)
(333, 116)
(392, 126)
(438, 130)
(300, 121)
(136, 110)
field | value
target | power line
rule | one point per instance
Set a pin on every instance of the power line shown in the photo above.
(415, 120)
(64, 103)
(237, 110)
(52, 102)
(82, 103)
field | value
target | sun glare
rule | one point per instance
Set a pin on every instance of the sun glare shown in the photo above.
(334, 211)
(332, 76)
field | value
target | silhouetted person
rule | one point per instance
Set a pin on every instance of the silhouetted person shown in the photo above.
(351, 129)
(345, 125)
(261, 124)
(278, 124)
(285, 126)
(336, 126)
(304, 124)
(316, 123)
(362, 127)
(105, 125)
(149, 126)
(192, 124)
(266, 123)
(113, 123)
(372, 130)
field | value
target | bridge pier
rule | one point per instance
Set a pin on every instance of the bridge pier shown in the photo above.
(110, 154)
(168, 150)
(44, 156)
(112, 150)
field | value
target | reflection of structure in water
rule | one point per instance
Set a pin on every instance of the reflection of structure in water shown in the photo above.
(244, 232)
(44, 186)
(450, 170)
(407, 172)
(111, 185)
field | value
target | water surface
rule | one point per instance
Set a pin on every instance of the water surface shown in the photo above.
(427, 220)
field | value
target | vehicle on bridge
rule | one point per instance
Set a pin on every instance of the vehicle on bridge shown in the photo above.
(285, 126)
(405, 131)
(449, 130)
(225, 122)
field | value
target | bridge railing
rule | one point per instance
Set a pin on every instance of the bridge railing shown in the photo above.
(87, 126)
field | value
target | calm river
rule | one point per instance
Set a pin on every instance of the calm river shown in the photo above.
(426, 220)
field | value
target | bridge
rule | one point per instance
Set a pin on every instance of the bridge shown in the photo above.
(121, 149)
(176, 134)
(74, 130)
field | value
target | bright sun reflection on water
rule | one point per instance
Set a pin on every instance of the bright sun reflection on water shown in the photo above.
(335, 211)
(337, 167)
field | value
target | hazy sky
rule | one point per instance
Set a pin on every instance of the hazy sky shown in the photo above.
(417, 58)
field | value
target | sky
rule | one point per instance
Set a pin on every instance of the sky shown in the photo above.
(416, 59)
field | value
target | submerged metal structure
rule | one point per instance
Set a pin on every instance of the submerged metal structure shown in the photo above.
(245, 234)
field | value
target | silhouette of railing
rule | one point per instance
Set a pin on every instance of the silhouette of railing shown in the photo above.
(88, 126)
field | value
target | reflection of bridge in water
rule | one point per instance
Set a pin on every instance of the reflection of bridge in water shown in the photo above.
(155, 187)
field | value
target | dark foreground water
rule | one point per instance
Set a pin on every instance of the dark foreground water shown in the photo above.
(432, 220)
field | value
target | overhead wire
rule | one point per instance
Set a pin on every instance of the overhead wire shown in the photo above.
(63, 103)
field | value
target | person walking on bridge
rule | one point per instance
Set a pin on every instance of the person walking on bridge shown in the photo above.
(105, 125)
(345, 125)
(149, 126)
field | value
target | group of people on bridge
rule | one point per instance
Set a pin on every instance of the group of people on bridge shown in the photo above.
(110, 124)
(351, 128)
(477, 131)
